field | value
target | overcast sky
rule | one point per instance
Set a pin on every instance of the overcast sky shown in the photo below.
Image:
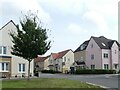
(71, 21)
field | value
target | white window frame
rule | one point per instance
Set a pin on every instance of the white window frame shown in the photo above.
(20, 68)
(116, 66)
(93, 66)
(105, 55)
(3, 50)
(92, 57)
(64, 60)
(5, 68)
(106, 66)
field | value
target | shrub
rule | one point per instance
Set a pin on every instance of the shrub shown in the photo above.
(94, 71)
(50, 71)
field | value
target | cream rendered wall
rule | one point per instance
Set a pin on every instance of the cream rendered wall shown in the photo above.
(59, 62)
(6, 41)
(15, 66)
(46, 63)
(51, 63)
(69, 59)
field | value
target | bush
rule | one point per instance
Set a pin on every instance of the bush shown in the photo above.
(50, 71)
(94, 71)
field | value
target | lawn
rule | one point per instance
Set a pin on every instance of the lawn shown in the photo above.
(45, 83)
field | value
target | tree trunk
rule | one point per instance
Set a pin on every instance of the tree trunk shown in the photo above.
(28, 70)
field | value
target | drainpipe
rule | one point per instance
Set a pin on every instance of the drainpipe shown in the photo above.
(110, 59)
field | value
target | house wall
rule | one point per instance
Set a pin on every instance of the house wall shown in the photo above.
(6, 41)
(106, 60)
(40, 64)
(46, 64)
(15, 66)
(69, 61)
(59, 64)
(79, 54)
(96, 51)
(51, 63)
(115, 54)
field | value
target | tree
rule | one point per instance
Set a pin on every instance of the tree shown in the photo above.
(31, 41)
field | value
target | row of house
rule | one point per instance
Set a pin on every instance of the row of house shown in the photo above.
(60, 61)
(95, 53)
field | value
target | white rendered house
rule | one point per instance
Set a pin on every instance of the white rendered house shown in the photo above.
(11, 65)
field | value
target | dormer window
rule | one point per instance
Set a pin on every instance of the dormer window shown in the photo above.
(81, 47)
(103, 44)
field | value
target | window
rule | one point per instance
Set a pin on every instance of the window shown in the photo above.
(64, 59)
(103, 44)
(115, 51)
(3, 50)
(68, 59)
(91, 45)
(116, 66)
(92, 57)
(92, 66)
(2, 66)
(21, 67)
(105, 55)
(5, 66)
(82, 47)
(106, 66)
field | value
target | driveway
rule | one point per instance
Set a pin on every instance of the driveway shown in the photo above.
(108, 81)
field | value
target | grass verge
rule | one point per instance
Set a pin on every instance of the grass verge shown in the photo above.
(46, 83)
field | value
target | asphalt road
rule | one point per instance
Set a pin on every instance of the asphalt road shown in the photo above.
(107, 81)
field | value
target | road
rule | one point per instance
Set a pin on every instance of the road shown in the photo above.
(108, 81)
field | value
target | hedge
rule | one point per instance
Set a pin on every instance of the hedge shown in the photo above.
(50, 71)
(94, 71)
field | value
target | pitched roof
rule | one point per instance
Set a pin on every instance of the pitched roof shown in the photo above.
(59, 54)
(62, 53)
(102, 42)
(54, 55)
(7, 24)
(41, 59)
(84, 44)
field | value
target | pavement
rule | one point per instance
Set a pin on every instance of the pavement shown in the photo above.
(109, 81)
(105, 81)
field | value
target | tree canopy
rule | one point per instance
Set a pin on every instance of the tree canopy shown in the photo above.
(31, 40)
